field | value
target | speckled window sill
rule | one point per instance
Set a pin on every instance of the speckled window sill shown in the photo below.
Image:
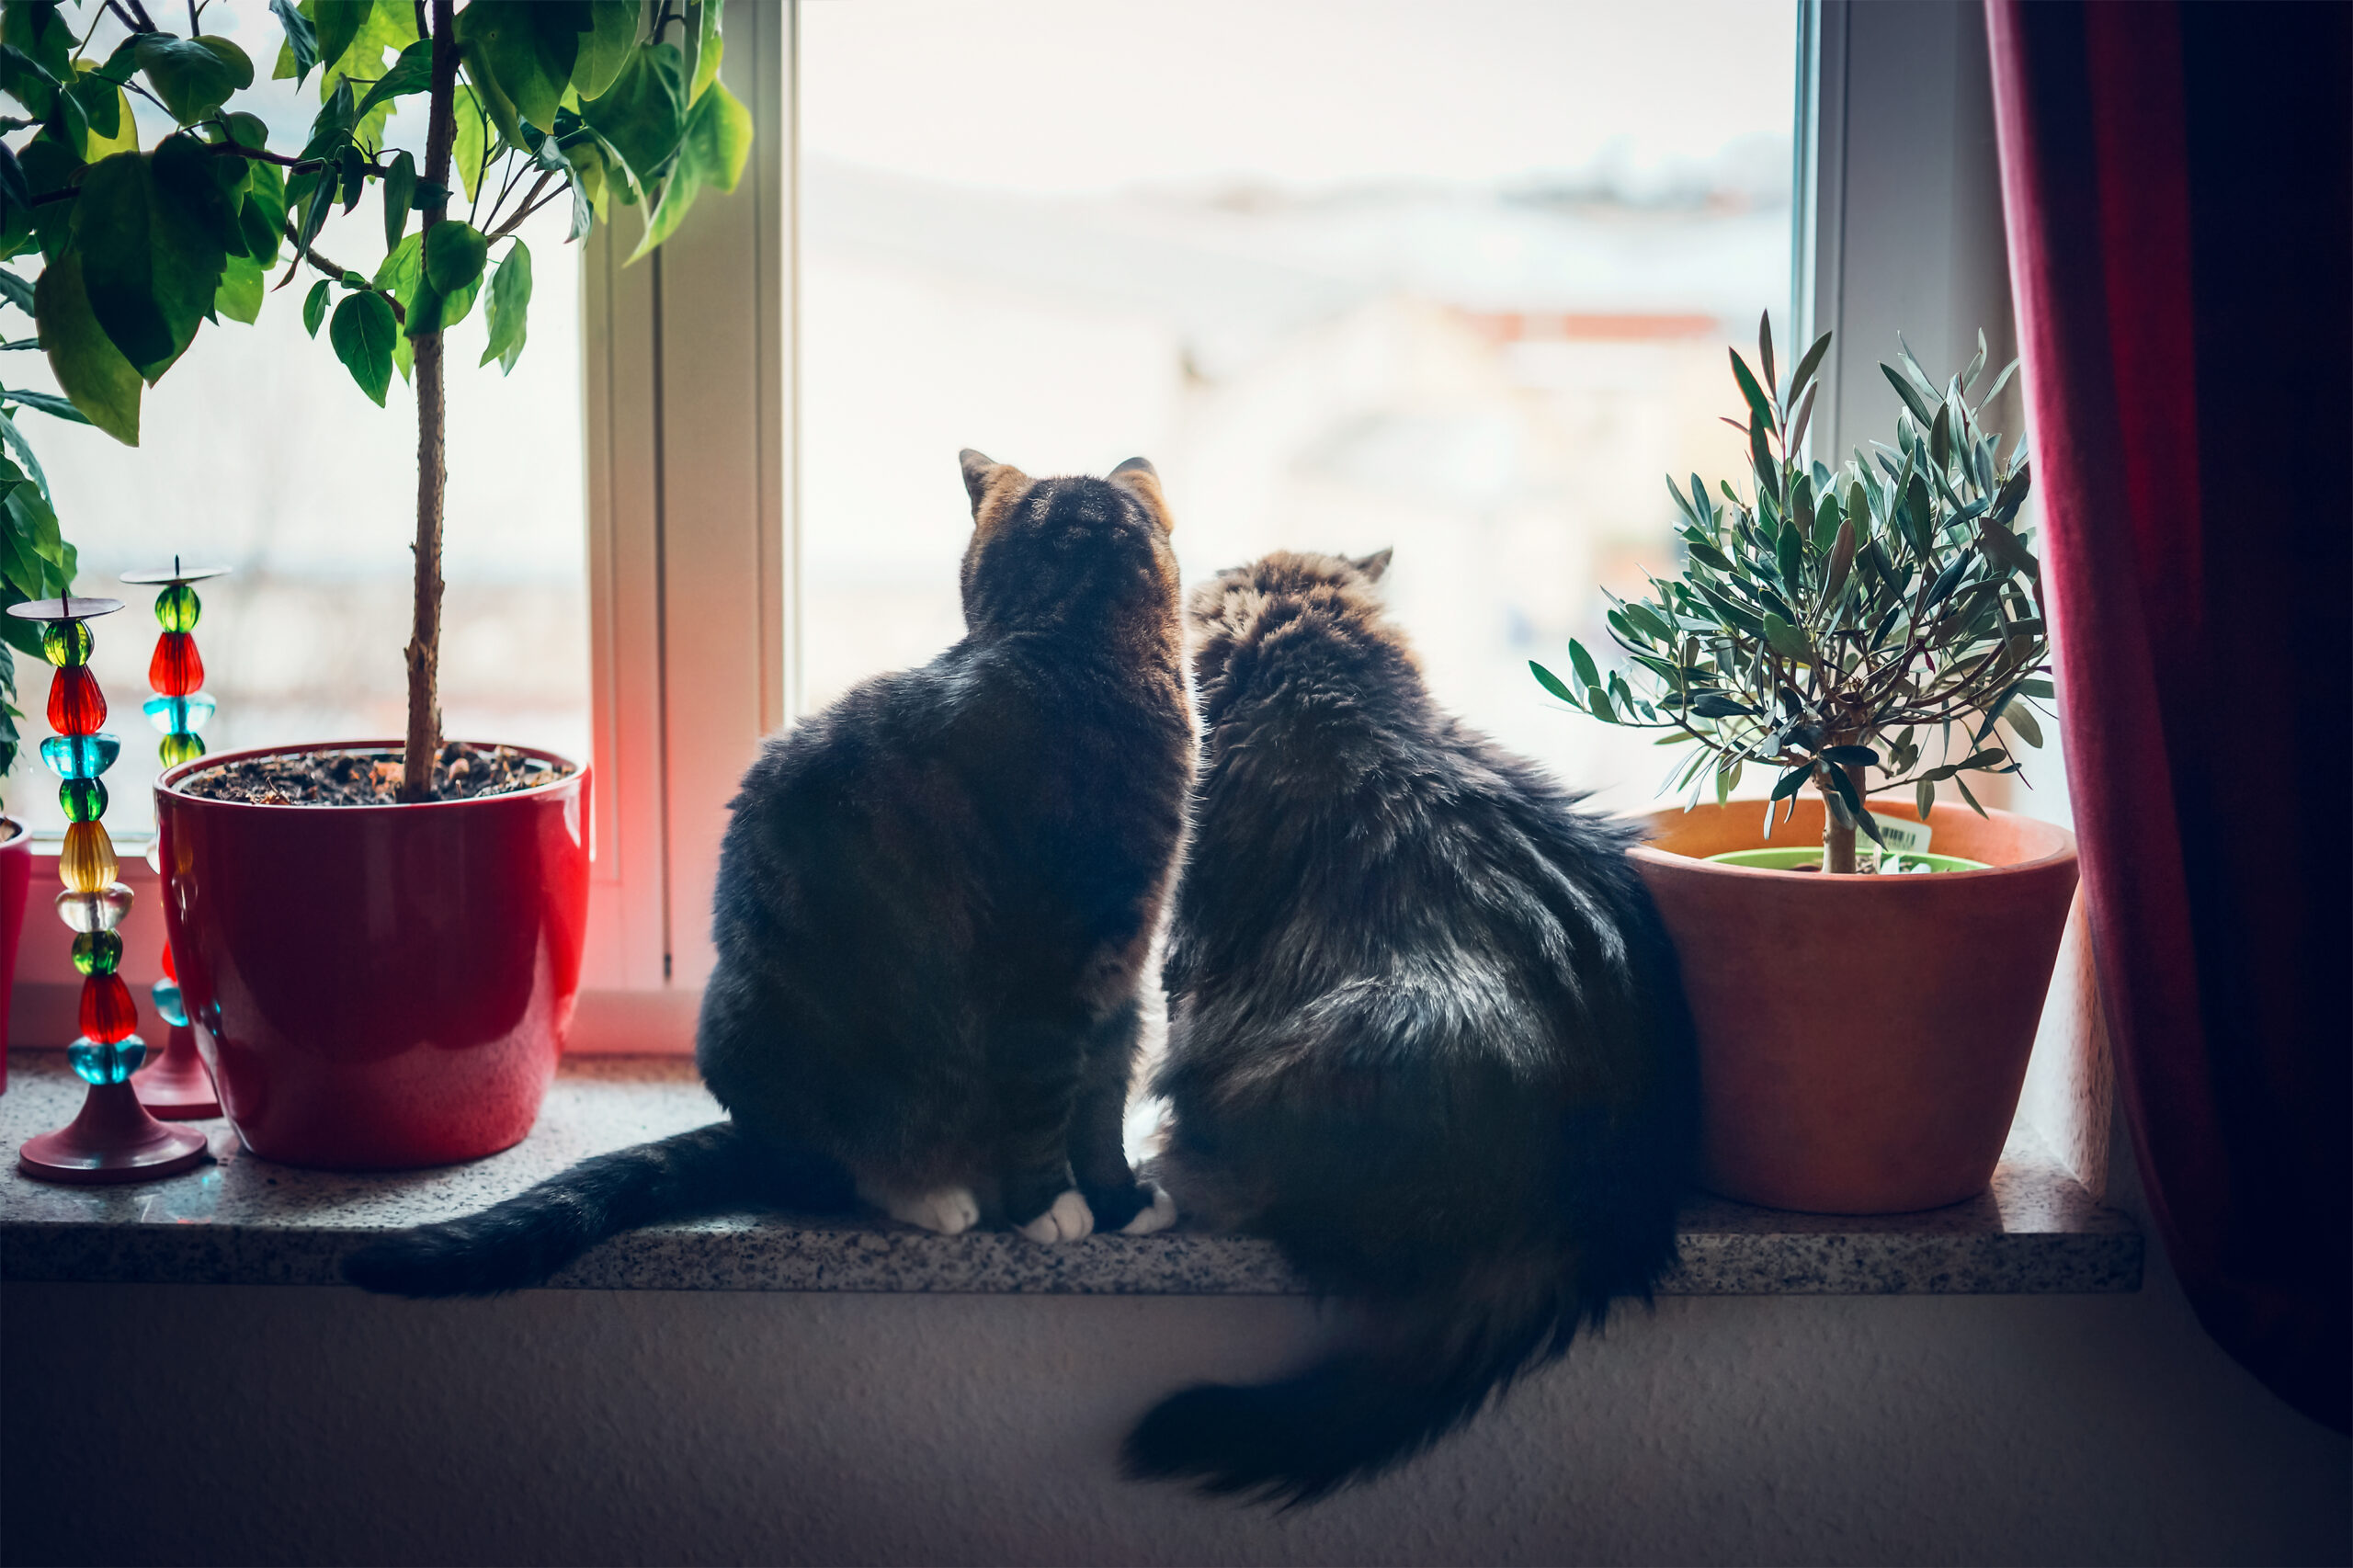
(244, 1221)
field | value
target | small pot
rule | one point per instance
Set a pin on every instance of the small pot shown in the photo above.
(380, 987)
(1862, 1039)
(16, 883)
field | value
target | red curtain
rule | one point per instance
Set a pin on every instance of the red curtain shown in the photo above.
(2175, 182)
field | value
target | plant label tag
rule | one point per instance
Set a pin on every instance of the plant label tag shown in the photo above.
(1903, 837)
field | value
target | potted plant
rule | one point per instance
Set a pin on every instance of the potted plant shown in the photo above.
(382, 938)
(1864, 1028)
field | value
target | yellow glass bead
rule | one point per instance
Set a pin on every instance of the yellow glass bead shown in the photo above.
(86, 863)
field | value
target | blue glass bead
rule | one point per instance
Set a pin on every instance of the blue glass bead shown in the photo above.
(106, 1064)
(167, 994)
(181, 714)
(80, 756)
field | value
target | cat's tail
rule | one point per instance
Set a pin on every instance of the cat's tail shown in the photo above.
(521, 1242)
(1427, 1367)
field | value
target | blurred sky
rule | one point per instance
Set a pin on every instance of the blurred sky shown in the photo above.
(1486, 91)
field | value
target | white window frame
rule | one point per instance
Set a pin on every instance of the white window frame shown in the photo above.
(690, 418)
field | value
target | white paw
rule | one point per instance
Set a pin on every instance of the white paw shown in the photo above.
(1159, 1217)
(950, 1211)
(1066, 1220)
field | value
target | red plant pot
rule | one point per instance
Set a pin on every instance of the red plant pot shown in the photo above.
(378, 987)
(15, 881)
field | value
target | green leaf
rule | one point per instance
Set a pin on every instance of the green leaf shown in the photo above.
(16, 292)
(363, 333)
(1760, 407)
(707, 50)
(1789, 556)
(2021, 719)
(1962, 785)
(400, 188)
(193, 76)
(238, 297)
(525, 49)
(1793, 781)
(1787, 640)
(510, 299)
(102, 384)
(412, 72)
(315, 306)
(1552, 683)
(718, 140)
(1582, 662)
(302, 36)
(454, 255)
(1912, 400)
(472, 149)
(339, 22)
(1716, 705)
(1765, 343)
(605, 47)
(1863, 755)
(15, 440)
(642, 115)
(1709, 553)
(1807, 364)
(46, 402)
(39, 29)
(150, 270)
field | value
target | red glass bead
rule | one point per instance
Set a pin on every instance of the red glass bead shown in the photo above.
(77, 706)
(108, 1012)
(176, 669)
(169, 973)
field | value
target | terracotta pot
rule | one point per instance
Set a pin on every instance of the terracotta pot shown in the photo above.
(1862, 1039)
(15, 881)
(382, 986)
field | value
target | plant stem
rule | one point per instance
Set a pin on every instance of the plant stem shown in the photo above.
(423, 743)
(1838, 839)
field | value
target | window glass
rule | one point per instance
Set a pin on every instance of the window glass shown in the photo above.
(258, 452)
(1353, 274)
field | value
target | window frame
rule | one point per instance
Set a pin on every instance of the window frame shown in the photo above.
(693, 428)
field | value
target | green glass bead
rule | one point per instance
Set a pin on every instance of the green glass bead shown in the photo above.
(177, 606)
(66, 643)
(181, 748)
(84, 800)
(98, 952)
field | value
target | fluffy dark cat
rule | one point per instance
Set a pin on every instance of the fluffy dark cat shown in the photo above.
(1425, 1031)
(934, 900)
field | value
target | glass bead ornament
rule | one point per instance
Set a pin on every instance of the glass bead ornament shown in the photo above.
(100, 911)
(87, 862)
(77, 706)
(81, 799)
(98, 952)
(80, 756)
(113, 1139)
(177, 1085)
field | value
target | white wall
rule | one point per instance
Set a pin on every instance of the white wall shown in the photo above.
(250, 1425)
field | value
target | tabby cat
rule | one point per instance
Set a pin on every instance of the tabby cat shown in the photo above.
(1425, 1031)
(934, 903)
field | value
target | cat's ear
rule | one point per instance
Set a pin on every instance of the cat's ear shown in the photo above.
(1140, 476)
(1373, 565)
(982, 474)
